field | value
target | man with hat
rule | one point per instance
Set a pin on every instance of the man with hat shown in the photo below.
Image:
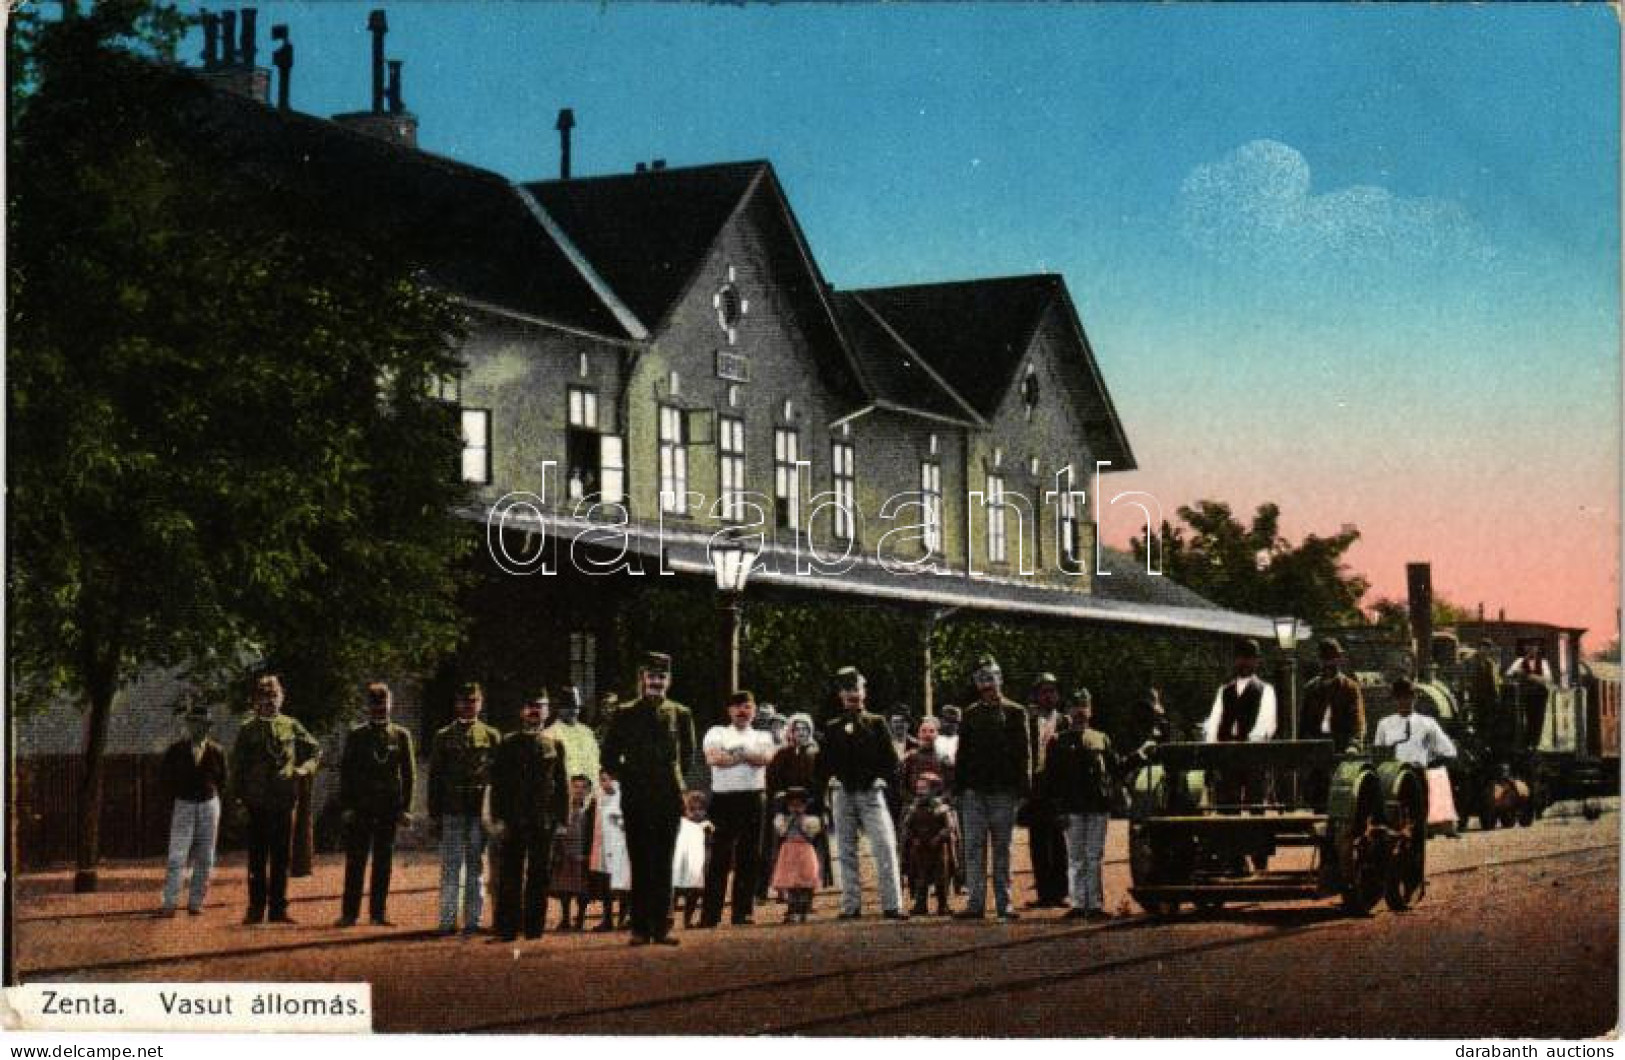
(1415, 738)
(377, 772)
(1243, 712)
(1046, 832)
(993, 771)
(856, 762)
(738, 755)
(1333, 705)
(642, 753)
(272, 751)
(1081, 779)
(530, 798)
(193, 773)
(459, 775)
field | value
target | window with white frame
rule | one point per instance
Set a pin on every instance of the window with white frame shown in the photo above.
(846, 488)
(583, 408)
(476, 430)
(1069, 522)
(731, 450)
(673, 461)
(997, 549)
(786, 480)
(931, 487)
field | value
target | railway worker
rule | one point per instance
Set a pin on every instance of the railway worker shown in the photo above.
(1243, 712)
(738, 755)
(992, 772)
(1333, 705)
(643, 756)
(377, 772)
(459, 776)
(572, 735)
(1046, 832)
(1418, 739)
(856, 762)
(193, 773)
(271, 752)
(1080, 779)
(530, 799)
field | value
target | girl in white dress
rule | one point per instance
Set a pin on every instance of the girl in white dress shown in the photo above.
(611, 863)
(688, 860)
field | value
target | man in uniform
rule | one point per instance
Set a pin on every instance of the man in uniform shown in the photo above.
(459, 773)
(1333, 705)
(530, 797)
(1046, 834)
(271, 751)
(856, 762)
(1081, 779)
(377, 773)
(579, 744)
(991, 774)
(642, 752)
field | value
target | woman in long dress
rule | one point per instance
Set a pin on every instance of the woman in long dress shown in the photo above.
(610, 859)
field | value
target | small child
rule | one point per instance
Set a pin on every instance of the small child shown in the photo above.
(611, 864)
(796, 871)
(570, 851)
(688, 860)
(929, 844)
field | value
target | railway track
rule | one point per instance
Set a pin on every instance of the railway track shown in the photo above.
(1329, 918)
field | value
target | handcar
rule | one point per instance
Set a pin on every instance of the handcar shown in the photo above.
(1358, 821)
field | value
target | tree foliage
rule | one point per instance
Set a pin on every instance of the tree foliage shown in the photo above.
(223, 441)
(1253, 568)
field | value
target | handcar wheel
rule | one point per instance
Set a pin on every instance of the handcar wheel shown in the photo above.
(1209, 905)
(1360, 850)
(1402, 883)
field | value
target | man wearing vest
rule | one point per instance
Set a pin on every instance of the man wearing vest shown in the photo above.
(1046, 831)
(1243, 712)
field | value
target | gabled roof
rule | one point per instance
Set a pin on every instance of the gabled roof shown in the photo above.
(975, 334)
(893, 374)
(473, 233)
(648, 233)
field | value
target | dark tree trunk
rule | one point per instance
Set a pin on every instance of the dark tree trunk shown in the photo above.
(88, 852)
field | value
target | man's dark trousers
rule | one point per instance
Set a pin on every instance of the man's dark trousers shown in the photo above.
(270, 836)
(651, 838)
(526, 865)
(1046, 848)
(735, 846)
(368, 834)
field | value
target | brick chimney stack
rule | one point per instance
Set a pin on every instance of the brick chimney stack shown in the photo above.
(230, 48)
(388, 119)
(282, 59)
(566, 122)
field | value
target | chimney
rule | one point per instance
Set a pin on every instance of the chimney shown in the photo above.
(211, 40)
(282, 59)
(1419, 585)
(566, 122)
(378, 26)
(658, 164)
(641, 167)
(229, 54)
(249, 49)
(228, 38)
(388, 119)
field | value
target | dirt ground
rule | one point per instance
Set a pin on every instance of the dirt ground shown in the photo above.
(1518, 935)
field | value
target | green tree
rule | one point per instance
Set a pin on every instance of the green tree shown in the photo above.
(1395, 615)
(224, 445)
(1253, 568)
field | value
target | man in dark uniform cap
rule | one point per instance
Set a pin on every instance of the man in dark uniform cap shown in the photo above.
(529, 797)
(856, 762)
(459, 776)
(377, 772)
(1046, 832)
(992, 773)
(642, 748)
(272, 751)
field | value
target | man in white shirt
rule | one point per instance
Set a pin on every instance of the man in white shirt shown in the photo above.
(738, 755)
(1415, 738)
(1243, 712)
(1531, 666)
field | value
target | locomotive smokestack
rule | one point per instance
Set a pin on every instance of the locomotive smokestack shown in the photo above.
(1419, 585)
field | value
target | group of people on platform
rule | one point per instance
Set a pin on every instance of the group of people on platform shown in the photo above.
(615, 816)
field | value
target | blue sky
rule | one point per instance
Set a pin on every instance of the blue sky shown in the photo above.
(1361, 260)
